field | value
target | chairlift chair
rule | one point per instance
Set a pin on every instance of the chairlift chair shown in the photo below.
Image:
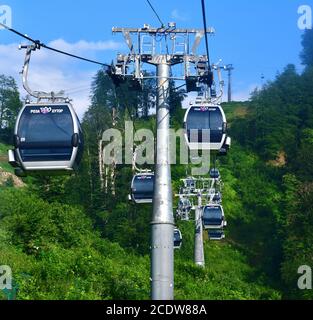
(217, 198)
(184, 205)
(190, 184)
(184, 209)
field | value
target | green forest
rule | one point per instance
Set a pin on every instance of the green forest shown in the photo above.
(67, 239)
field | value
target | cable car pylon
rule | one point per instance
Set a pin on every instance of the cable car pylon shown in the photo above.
(162, 224)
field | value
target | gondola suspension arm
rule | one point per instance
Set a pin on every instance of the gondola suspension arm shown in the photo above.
(134, 164)
(221, 83)
(38, 95)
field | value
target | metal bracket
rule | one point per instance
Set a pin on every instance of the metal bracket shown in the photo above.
(198, 38)
(134, 165)
(128, 40)
(36, 94)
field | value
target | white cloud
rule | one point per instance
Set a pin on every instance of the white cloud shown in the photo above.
(178, 16)
(54, 72)
(83, 45)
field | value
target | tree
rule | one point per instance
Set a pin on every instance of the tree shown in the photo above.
(307, 52)
(9, 106)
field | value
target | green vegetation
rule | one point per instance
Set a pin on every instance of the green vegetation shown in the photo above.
(3, 158)
(66, 238)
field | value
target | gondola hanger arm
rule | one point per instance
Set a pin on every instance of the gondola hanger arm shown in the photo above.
(38, 95)
(134, 164)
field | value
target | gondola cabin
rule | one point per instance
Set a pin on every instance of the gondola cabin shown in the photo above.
(213, 217)
(214, 174)
(142, 188)
(48, 139)
(216, 235)
(223, 152)
(217, 197)
(178, 239)
(205, 127)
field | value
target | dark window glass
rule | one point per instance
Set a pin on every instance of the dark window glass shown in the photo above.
(214, 173)
(216, 120)
(143, 187)
(177, 237)
(205, 119)
(216, 234)
(212, 216)
(46, 124)
(46, 133)
(46, 154)
(198, 119)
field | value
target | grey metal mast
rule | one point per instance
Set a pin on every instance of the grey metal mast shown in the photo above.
(162, 224)
(162, 243)
(229, 68)
(199, 249)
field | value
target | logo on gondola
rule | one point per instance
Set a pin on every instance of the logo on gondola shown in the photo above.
(204, 109)
(144, 177)
(45, 110)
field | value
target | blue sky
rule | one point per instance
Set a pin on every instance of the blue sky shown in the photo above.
(258, 36)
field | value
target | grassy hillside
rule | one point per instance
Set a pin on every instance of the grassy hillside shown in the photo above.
(4, 159)
(56, 254)
(236, 110)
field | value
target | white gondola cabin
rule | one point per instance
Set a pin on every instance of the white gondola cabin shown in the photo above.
(142, 188)
(178, 239)
(205, 127)
(213, 217)
(48, 139)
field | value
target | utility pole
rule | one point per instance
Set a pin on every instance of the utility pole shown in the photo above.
(229, 68)
(149, 50)
(199, 249)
